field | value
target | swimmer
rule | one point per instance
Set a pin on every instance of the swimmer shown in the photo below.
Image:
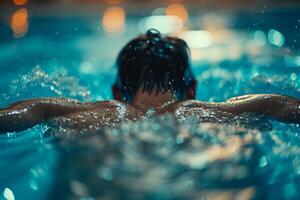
(154, 78)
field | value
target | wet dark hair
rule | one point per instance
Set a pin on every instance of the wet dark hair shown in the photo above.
(152, 62)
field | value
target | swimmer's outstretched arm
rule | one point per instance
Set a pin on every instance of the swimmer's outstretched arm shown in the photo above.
(25, 114)
(278, 107)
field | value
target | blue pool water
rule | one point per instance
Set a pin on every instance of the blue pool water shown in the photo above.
(74, 57)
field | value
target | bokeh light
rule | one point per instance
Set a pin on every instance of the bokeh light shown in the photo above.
(164, 24)
(8, 194)
(214, 22)
(20, 2)
(259, 38)
(159, 11)
(19, 22)
(178, 10)
(113, 20)
(197, 39)
(276, 38)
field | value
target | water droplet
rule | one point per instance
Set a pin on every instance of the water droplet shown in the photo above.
(8, 194)
(106, 173)
(263, 161)
(293, 76)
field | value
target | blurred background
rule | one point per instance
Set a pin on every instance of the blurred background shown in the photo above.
(85, 36)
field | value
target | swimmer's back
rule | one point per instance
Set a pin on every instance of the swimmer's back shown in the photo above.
(98, 115)
(75, 114)
(111, 114)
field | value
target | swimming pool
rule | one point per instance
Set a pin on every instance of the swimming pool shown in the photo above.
(74, 57)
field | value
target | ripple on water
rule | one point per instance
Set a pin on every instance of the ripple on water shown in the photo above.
(161, 158)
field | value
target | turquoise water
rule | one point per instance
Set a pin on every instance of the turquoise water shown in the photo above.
(153, 160)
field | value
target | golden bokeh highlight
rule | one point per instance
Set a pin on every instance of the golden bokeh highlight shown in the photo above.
(178, 10)
(113, 19)
(20, 2)
(113, 2)
(19, 22)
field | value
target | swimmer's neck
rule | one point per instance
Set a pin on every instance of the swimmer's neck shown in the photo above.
(145, 101)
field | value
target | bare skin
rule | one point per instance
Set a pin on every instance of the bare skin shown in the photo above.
(78, 115)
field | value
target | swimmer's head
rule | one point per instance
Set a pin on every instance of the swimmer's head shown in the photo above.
(152, 63)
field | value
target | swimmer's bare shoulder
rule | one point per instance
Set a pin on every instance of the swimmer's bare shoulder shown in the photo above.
(109, 110)
(188, 108)
(279, 107)
(98, 116)
(25, 114)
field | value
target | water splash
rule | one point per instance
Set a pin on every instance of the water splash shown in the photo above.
(38, 83)
(282, 84)
(161, 158)
(219, 83)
